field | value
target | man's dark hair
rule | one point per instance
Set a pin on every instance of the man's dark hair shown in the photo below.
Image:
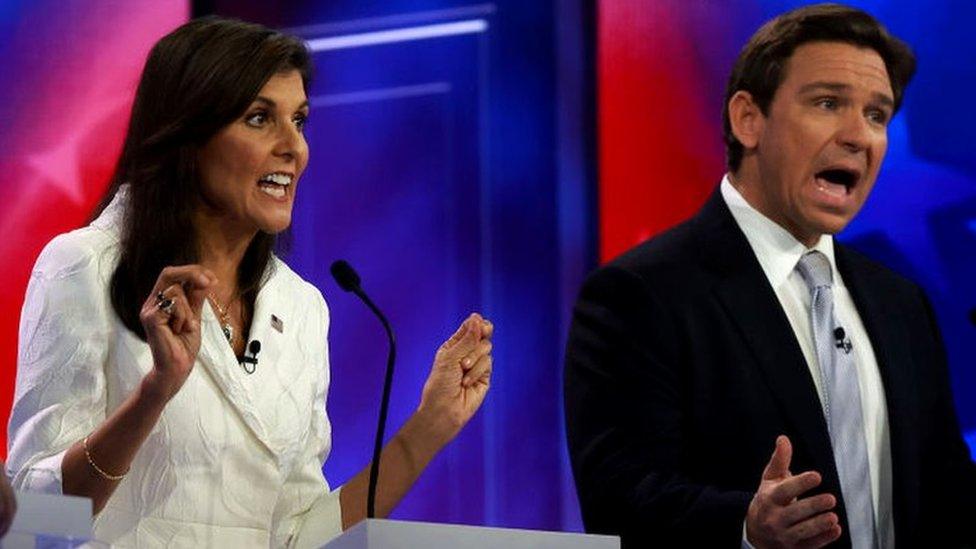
(760, 66)
(197, 79)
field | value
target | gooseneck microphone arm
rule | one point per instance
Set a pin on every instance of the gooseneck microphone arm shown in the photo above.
(349, 281)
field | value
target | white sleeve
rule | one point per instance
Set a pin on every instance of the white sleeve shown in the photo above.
(60, 391)
(309, 509)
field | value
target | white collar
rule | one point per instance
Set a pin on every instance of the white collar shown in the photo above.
(110, 220)
(777, 250)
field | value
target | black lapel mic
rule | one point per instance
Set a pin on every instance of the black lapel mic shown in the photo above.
(348, 280)
(842, 341)
(254, 348)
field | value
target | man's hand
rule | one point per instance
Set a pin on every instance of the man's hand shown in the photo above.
(778, 518)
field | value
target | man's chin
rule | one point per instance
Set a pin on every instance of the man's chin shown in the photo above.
(832, 226)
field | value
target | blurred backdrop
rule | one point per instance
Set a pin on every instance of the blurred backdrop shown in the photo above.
(484, 156)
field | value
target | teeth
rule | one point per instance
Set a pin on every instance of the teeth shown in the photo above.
(277, 178)
(277, 192)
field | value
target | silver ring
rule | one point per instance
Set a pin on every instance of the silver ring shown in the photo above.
(166, 306)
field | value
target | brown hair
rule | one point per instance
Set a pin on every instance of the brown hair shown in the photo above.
(197, 79)
(760, 65)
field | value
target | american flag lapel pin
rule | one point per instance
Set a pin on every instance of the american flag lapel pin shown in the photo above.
(277, 324)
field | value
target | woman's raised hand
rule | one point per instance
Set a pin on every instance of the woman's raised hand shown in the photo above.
(459, 378)
(171, 318)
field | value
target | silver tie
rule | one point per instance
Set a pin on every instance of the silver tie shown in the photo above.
(842, 400)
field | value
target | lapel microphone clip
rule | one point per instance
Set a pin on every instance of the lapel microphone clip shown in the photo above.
(253, 348)
(842, 341)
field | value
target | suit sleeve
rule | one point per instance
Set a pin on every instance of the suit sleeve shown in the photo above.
(309, 509)
(949, 485)
(60, 393)
(627, 416)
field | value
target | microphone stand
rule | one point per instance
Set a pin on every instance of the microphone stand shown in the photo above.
(349, 281)
(374, 468)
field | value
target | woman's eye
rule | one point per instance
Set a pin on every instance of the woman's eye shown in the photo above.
(256, 120)
(300, 121)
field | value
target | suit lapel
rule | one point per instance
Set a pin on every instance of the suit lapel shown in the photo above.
(217, 358)
(890, 342)
(752, 306)
(267, 400)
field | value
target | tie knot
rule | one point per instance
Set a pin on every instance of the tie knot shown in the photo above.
(814, 267)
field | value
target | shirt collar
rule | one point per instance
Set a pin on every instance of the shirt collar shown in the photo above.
(777, 250)
(110, 220)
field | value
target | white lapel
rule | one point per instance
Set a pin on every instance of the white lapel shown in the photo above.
(274, 401)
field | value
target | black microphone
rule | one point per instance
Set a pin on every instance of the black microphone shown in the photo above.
(972, 316)
(840, 339)
(254, 348)
(349, 281)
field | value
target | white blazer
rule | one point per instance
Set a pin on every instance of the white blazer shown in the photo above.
(235, 460)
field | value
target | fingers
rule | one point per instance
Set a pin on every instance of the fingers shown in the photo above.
(464, 340)
(779, 464)
(481, 370)
(778, 516)
(808, 507)
(481, 348)
(196, 279)
(195, 275)
(793, 487)
(824, 538)
(487, 329)
(172, 308)
(187, 286)
(183, 317)
(817, 531)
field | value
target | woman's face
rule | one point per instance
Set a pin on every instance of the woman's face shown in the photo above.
(250, 168)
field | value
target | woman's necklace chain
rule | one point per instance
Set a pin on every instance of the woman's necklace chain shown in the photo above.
(224, 316)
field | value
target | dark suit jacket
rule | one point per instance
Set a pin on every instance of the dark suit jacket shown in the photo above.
(682, 369)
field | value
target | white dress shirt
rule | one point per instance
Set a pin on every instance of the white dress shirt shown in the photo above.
(778, 253)
(234, 460)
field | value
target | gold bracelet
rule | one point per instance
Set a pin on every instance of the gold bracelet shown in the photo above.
(97, 468)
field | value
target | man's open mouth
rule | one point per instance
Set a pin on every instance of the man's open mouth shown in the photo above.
(837, 181)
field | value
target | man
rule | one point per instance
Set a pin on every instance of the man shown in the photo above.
(747, 331)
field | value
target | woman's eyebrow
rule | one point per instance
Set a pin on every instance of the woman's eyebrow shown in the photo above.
(272, 104)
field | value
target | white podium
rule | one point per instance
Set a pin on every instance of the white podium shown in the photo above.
(389, 534)
(50, 521)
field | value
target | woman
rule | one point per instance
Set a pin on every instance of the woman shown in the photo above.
(129, 384)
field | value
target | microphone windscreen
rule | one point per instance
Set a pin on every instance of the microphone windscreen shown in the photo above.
(344, 275)
(255, 347)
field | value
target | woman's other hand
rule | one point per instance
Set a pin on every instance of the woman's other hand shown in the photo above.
(171, 318)
(455, 389)
(459, 378)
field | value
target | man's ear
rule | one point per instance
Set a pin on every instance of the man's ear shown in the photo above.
(746, 119)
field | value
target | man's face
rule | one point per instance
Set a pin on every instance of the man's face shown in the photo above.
(821, 143)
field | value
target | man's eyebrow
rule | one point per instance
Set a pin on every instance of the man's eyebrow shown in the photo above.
(271, 103)
(838, 87)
